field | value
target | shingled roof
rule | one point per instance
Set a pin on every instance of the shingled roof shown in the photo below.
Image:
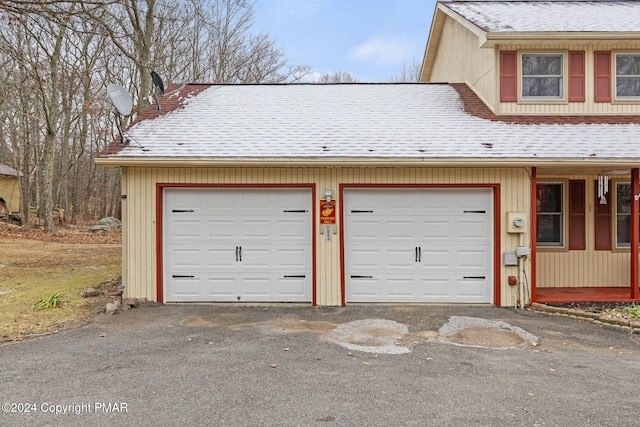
(365, 122)
(550, 16)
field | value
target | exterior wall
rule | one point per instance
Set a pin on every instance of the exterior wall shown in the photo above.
(587, 268)
(139, 212)
(559, 108)
(460, 60)
(10, 192)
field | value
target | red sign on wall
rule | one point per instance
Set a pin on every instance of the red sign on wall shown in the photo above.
(327, 212)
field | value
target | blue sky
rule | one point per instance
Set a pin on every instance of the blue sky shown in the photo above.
(371, 39)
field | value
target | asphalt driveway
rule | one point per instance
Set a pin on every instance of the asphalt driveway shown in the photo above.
(202, 365)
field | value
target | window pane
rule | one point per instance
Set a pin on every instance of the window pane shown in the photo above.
(541, 86)
(549, 198)
(628, 86)
(549, 230)
(542, 65)
(623, 198)
(623, 230)
(628, 65)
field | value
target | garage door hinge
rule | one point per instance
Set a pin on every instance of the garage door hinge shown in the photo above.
(182, 211)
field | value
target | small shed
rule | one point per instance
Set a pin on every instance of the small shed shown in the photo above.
(9, 190)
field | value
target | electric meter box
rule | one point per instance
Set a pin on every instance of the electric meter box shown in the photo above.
(517, 222)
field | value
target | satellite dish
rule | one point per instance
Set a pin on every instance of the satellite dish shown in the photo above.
(120, 99)
(122, 102)
(159, 85)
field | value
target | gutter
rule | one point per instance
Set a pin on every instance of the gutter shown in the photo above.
(114, 162)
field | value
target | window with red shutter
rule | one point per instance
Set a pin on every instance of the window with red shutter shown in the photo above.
(508, 76)
(602, 74)
(576, 76)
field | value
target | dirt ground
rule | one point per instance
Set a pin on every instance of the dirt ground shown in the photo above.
(35, 265)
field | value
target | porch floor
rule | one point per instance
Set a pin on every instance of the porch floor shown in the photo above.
(567, 295)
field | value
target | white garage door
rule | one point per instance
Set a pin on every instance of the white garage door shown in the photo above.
(428, 245)
(237, 245)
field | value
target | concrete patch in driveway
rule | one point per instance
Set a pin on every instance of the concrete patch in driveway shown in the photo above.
(378, 336)
(476, 332)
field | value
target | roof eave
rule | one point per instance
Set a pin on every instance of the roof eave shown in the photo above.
(170, 162)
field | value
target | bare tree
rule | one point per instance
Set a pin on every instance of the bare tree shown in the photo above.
(408, 73)
(337, 77)
(58, 56)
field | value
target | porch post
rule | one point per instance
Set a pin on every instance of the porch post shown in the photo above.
(532, 233)
(635, 191)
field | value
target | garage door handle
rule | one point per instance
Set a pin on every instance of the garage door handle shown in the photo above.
(357, 211)
(475, 277)
(478, 212)
(182, 211)
(361, 277)
(178, 276)
(301, 276)
(239, 253)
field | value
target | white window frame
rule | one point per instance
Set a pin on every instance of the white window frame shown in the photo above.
(562, 244)
(617, 245)
(562, 77)
(615, 77)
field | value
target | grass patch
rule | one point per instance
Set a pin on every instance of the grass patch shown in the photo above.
(54, 274)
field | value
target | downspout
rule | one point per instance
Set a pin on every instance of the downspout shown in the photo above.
(532, 231)
(635, 191)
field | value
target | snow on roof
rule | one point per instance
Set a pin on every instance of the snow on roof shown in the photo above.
(358, 121)
(550, 16)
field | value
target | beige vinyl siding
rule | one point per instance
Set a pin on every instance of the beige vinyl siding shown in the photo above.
(588, 268)
(139, 210)
(459, 59)
(587, 107)
(10, 192)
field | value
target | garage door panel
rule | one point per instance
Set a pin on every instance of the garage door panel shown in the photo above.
(471, 289)
(238, 245)
(364, 230)
(185, 229)
(364, 288)
(448, 230)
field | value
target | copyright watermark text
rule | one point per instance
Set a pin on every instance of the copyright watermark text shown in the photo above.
(64, 409)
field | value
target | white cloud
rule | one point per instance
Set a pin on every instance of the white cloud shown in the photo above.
(384, 51)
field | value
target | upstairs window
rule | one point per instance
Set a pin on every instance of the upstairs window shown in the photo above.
(542, 76)
(628, 76)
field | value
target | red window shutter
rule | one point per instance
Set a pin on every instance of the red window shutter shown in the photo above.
(602, 72)
(602, 221)
(576, 76)
(508, 76)
(577, 216)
